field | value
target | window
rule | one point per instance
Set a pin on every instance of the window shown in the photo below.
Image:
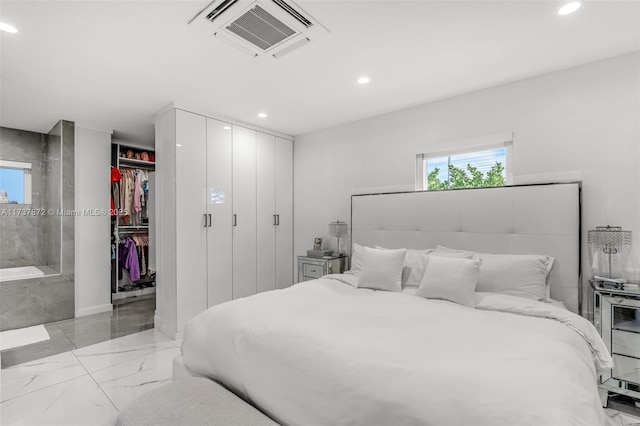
(473, 167)
(15, 182)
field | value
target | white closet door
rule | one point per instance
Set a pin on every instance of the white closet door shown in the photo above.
(244, 210)
(219, 212)
(284, 210)
(266, 212)
(191, 234)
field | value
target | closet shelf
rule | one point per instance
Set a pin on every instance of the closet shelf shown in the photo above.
(137, 163)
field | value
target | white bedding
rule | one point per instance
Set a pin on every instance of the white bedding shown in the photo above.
(326, 353)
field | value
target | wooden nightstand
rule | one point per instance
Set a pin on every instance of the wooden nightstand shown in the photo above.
(616, 316)
(311, 268)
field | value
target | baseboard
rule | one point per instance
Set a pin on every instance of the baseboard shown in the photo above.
(94, 310)
(175, 335)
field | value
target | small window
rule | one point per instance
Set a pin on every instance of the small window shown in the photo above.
(15, 182)
(476, 167)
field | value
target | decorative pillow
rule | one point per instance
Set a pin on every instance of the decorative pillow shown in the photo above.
(523, 275)
(450, 278)
(357, 253)
(447, 252)
(382, 269)
(415, 263)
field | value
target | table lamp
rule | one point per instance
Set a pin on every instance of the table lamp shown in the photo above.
(338, 229)
(610, 240)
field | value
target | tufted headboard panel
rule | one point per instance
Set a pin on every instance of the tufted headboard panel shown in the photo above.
(529, 219)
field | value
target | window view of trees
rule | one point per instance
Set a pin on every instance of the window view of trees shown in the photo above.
(472, 169)
(472, 177)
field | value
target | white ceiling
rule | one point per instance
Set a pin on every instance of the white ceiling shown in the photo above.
(112, 65)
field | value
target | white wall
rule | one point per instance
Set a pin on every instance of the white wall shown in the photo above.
(583, 120)
(92, 239)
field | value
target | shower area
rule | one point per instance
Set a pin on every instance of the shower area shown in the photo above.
(37, 219)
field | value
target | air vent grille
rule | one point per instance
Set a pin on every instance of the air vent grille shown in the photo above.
(291, 11)
(220, 8)
(260, 28)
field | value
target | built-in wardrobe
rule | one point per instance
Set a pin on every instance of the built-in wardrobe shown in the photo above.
(224, 212)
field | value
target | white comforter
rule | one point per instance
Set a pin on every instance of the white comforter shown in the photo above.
(326, 353)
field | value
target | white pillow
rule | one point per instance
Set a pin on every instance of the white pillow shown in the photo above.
(357, 253)
(450, 278)
(447, 252)
(522, 275)
(382, 269)
(415, 263)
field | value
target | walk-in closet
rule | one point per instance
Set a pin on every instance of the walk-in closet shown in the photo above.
(133, 271)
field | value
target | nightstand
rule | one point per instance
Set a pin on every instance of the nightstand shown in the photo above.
(311, 268)
(616, 316)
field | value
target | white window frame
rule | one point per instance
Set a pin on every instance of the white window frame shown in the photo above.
(26, 167)
(503, 140)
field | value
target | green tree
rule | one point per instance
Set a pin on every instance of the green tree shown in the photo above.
(435, 184)
(495, 176)
(469, 178)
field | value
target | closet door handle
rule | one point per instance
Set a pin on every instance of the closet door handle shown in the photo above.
(235, 219)
(277, 219)
(274, 220)
(209, 220)
(205, 219)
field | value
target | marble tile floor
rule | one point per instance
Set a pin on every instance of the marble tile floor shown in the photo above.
(86, 386)
(75, 333)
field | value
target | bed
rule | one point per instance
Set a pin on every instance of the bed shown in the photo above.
(383, 346)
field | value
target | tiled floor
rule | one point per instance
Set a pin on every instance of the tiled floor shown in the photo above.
(86, 386)
(75, 333)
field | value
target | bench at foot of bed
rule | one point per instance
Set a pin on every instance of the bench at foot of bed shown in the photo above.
(192, 401)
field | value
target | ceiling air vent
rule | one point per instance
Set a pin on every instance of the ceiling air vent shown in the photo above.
(260, 28)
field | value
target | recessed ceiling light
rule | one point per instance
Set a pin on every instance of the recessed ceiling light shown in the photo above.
(364, 80)
(569, 8)
(262, 115)
(226, 128)
(8, 28)
(178, 144)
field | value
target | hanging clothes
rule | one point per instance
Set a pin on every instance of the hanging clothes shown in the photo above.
(122, 258)
(131, 262)
(115, 189)
(137, 191)
(134, 193)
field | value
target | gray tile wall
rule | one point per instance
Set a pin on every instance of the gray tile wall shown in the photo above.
(20, 236)
(52, 232)
(40, 240)
(68, 199)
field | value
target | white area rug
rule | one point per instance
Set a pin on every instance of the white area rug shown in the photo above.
(23, 336)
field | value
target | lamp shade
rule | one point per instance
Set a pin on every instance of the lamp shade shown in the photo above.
(338, 229)
(611, 241)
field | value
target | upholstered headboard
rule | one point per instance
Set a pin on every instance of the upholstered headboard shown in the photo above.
(528, 219)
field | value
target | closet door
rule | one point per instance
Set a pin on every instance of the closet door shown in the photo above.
(219, 212)
(266, 212)
(284, 212)
(191, 234)
(244, 212)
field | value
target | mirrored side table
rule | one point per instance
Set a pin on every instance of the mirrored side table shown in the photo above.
(311, 268)
(616, 316)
